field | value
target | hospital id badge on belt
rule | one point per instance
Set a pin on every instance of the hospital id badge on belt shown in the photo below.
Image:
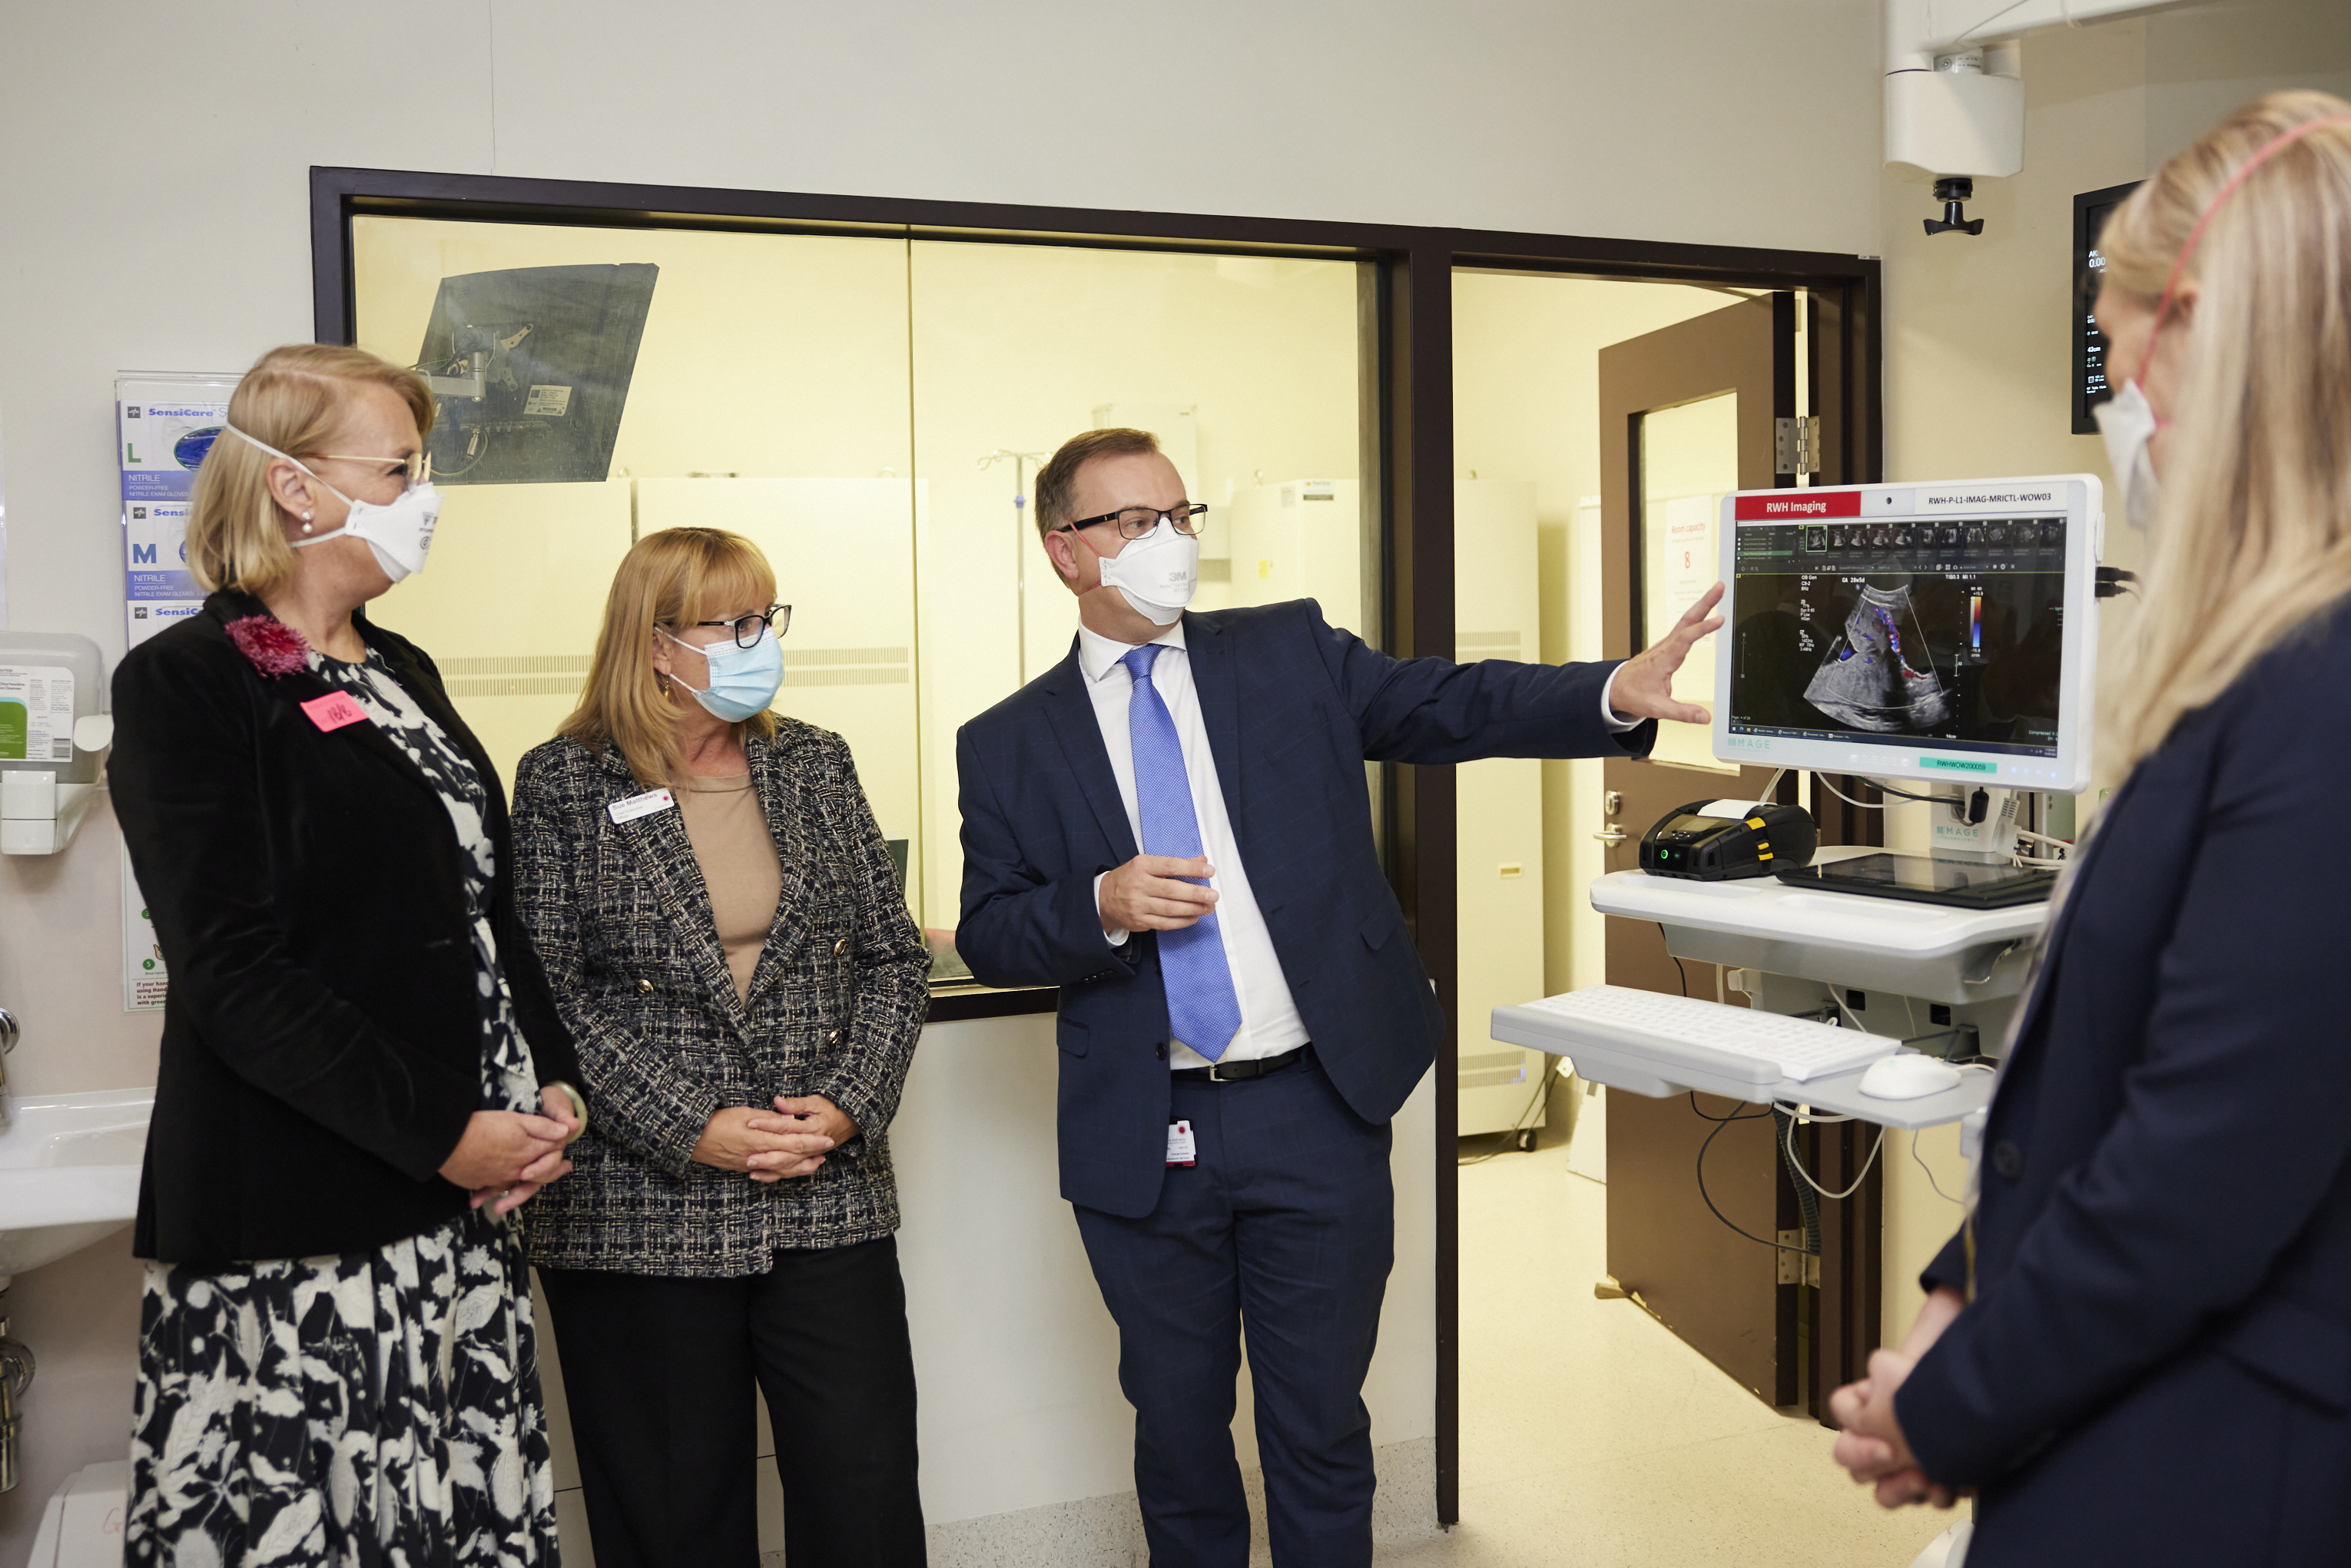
(1180, 1147)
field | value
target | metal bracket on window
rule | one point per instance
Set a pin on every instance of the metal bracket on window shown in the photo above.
(1796, 444)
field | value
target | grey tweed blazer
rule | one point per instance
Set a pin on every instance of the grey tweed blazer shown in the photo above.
(622, 924)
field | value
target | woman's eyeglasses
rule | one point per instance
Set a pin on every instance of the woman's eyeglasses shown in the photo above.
(417, 466)
(746, 628)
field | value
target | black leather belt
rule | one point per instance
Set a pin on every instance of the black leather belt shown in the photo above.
(1240, 1071)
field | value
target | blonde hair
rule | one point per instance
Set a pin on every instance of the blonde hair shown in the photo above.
(671, 580)
(293, 398)
(2252, 539)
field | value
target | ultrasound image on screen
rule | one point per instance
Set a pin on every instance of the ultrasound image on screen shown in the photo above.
(1949, 631)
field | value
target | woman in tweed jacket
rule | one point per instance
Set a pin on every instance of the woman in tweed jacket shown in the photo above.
(722, 926)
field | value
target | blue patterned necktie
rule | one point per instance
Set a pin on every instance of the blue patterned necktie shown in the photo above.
(1203, 1010)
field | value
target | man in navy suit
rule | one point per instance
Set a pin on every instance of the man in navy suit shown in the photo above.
(1172, 826)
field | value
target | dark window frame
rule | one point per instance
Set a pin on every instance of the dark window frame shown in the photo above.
(1413, 333)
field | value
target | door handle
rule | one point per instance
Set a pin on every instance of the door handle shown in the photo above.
(1612, 834)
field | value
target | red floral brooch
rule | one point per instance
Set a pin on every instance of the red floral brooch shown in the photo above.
(275, 648)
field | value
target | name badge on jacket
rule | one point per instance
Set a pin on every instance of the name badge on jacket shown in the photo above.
(333, 711)
(644, 805)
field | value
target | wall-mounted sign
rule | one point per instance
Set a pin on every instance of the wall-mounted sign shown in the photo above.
(143, 955)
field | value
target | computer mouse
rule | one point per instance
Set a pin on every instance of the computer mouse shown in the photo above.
(1908, 1076)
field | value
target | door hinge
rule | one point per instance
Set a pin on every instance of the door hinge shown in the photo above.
(1797, 1267)
(1796, 444)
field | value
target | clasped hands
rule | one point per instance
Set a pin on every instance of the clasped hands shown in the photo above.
(773, 1146)
(506, 1156)
(1872, 1445)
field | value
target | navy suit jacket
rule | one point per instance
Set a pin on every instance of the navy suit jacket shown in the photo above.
(2163, 1237)
(1294, 708)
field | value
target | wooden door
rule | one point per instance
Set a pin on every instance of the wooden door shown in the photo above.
(1685, 414)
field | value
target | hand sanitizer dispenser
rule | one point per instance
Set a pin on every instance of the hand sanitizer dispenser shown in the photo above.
(53, 738)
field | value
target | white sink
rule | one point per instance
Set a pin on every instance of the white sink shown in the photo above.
(68, 1172)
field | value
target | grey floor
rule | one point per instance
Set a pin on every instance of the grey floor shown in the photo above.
(1592, 1437)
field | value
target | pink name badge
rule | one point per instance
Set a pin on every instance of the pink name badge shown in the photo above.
(333, 711)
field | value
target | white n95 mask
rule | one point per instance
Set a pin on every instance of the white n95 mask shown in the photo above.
(1157, 573)
(2126, 422)
(398, 536)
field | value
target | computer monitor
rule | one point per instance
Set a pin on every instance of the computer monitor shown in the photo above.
(532, 367)
(1945, 632)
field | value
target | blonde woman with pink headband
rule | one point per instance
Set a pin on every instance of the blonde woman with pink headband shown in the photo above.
(2137, 1348)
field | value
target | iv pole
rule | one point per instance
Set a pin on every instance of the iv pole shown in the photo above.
(1019, 461)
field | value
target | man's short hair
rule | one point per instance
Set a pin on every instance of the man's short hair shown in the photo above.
(1057, 482)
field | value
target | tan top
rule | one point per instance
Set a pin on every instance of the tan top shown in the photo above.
(737, 856)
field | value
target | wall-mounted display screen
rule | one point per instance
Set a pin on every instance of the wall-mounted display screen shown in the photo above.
(2087, 363)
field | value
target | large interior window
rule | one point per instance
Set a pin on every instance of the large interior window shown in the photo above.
(873, 411)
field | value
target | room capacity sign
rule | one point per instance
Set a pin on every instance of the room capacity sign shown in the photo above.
(164, 423)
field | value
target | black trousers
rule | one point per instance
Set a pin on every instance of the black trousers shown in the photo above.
(659, 1374)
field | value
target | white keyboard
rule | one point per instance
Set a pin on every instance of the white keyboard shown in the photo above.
(1743, 1044)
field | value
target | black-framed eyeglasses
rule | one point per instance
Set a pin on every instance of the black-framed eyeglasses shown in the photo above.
(1133, 522)
(745, 628)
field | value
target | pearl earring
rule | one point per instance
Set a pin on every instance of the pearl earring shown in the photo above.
(306, 522)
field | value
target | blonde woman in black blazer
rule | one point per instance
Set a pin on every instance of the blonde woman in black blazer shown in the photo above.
(337, 1362)
(725, 936)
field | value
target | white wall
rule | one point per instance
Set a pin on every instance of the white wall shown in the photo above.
(156, 182)
(155, 201)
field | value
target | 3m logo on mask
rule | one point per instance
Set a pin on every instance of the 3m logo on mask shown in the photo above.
(1157, 574)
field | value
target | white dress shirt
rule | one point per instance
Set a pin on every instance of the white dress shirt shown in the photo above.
(1270, 1020)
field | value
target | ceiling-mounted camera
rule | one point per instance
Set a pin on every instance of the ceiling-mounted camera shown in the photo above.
(1955, 219)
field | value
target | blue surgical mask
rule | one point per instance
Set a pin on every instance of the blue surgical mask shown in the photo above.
(743, 680)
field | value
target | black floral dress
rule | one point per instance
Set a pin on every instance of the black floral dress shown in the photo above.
(378, 1409)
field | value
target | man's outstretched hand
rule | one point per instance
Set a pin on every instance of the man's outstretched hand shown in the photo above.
(1644, 683)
